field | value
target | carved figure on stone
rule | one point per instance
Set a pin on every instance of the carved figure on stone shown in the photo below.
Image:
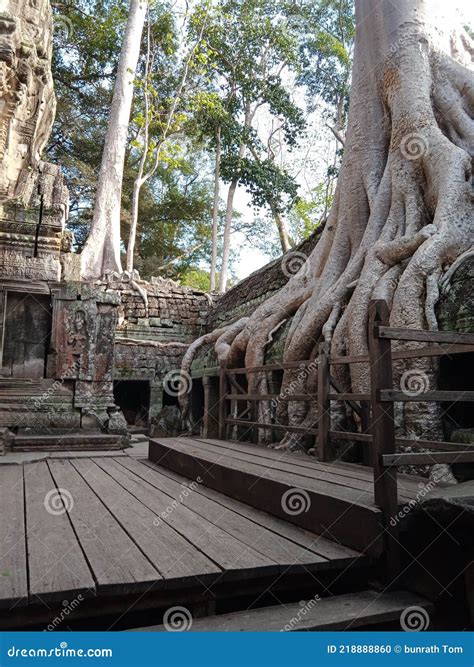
(78, 339)
(28, 104)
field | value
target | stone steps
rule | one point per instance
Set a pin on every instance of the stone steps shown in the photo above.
(67, 442)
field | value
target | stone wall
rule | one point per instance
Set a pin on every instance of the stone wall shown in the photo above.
(243, 299)
(161, 311)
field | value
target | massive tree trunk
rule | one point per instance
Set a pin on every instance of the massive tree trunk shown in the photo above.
(101, 252)
(403, 209)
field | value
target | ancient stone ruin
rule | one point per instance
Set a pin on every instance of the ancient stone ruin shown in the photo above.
(79, 359)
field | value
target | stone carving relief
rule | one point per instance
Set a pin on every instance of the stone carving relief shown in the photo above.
(27, 101)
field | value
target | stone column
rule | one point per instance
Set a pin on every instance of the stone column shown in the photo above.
(211, 407)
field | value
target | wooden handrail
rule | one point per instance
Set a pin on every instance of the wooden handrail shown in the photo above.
(375, 409)
(423, 336)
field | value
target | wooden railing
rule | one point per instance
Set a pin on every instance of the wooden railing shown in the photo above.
(375, 408)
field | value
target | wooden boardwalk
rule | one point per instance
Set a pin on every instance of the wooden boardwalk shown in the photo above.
(339, 497)
(118, 533)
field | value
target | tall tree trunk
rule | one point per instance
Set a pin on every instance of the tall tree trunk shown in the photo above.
(101, 252)
(215, 210)
(229, 213)
(403, 206)
(281, 227)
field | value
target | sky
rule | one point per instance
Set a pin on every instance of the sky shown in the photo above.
(252, 259)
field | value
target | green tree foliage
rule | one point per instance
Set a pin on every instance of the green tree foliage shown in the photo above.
(258, 58)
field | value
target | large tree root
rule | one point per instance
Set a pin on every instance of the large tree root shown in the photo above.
(403, 210)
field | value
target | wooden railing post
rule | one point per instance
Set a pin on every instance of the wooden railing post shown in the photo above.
(383, 432)
(222, 402)
(324, 404)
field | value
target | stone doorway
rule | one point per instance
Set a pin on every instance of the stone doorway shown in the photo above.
(133, 397)
(25, 334)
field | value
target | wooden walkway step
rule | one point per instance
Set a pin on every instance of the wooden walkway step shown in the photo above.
(341, 612)
(335, 505)
(109, 528)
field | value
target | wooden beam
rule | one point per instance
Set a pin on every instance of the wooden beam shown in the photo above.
(349, 397)
(272, 397)
(383, 431)
(427, 458)
(291, 429)
(324, 403)
(390, 395)
(393, 333)
(222, 402)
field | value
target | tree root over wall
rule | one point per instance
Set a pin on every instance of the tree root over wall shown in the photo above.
(403, 210)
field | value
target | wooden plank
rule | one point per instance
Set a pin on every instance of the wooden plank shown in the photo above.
(13, 567)
(170, 553)
(327, 475)
(388, 395)
(291, 429)
(117, 563)
(250, 534)
(349, 397)
(438, 445)
(435, 351)
(347, 435)
(394, 333)
(409, 485)
(222, 402)
(341, 612)
(217, 544)
(324, 404)
(287, 365)
(272, 397)
(383, 432)
(336, 512)
(57, 567)
(262, 464)
(330, 551)
(428, 458)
